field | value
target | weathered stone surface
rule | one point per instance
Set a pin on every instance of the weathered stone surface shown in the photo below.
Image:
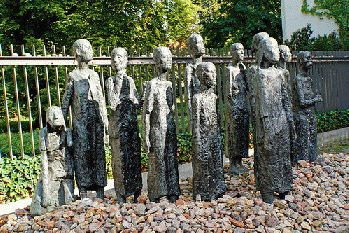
(196, 49)
(159, 131)
(285, 56)
(55, 186)
(84, 94)
(236, 110)
(208, 179)
(273, 120)
(304, 100)
(123, 129)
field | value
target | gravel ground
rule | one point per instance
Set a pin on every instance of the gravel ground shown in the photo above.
(319, 202)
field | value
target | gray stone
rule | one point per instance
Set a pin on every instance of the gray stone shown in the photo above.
(304, 100)
(55, 186)
(236, 111)
(140, 209)
(285, 56)
(208, 178)
(196, 49)
(273, 120)
(84, 94)
(123, 129)
(159, 131)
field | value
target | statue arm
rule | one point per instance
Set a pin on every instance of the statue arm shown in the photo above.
(113, 92)
(134, 93)
(68, 96)
(147, 109)
(304, 102)
(44, 167)
(188, 83)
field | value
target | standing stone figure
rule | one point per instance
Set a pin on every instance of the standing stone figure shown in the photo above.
(159, 131)
(123, 129)
(196, 49)
(208, 179)
(257, 38)
(84, 94)
(55, 186)
(285, 56)
(273, 170)
(236, 111)
(304, 100)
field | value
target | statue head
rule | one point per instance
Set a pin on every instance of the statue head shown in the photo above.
(163, 58)
(237, 52)
(82, 50)
(304, 60)
(285, 53)
(195, 45)
(54, 118)
(268, 51)
(206, 73)
(258, 38)
(119, 59)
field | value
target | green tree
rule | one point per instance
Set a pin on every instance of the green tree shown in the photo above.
(237, 21)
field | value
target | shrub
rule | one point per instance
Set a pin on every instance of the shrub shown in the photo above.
(332, 120)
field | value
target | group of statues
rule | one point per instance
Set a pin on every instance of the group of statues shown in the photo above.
(281, 111)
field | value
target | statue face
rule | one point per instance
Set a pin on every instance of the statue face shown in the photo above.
(209, 76)
(165, 61)
(285, 54)
(272, 52)
(238, 53)
(54, 117)
(84, 51)
(119, 61)
(306, 61)
(198, 48)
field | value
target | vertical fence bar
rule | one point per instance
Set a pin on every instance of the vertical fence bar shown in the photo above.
(47, 82)
(28, 105)
(57, 87)
(140, 72)
(181, 93)
(37, 90)
(175, 96)
(184, 51)
(18, 107)
(6, 111)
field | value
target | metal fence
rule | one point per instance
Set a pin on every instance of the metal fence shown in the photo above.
(32, 82)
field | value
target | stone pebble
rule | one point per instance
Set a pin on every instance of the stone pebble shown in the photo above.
(319, 202)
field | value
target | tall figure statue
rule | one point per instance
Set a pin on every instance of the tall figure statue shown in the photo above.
(196, 49)
(208, 178)
(123, 129)
(257, 38)
(304, 100)
(272, 164)
(159, 131)
(55, 186)
(236, 110)
(285, 56)
(84, 94)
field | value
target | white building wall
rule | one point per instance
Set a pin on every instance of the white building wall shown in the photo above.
(293, 19)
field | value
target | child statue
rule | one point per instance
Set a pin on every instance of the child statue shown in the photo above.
(84, 94)
(272, 164)
(55, 186)
(208, 178)
(236, 111)
(304, 100)
(123, 129)
(196, 49)
(159, 131)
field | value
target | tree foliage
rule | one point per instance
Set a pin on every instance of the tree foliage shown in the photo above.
(141, 23)
(237, 21)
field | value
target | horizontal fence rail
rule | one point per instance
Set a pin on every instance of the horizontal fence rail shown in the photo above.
(31, 83)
